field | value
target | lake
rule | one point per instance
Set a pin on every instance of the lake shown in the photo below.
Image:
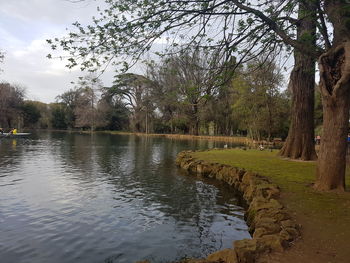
(69, 197)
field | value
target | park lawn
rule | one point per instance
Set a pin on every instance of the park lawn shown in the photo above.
(324, 216)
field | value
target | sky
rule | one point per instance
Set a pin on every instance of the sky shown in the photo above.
(24, 27)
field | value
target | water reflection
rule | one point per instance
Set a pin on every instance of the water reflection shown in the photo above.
(109, 198)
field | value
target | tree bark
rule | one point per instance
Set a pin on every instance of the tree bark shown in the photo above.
(335, 90)
(300, 140)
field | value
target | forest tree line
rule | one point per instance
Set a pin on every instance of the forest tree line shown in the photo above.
(310, 31)
(189, 92)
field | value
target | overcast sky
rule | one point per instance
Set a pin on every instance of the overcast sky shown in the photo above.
(24, 27)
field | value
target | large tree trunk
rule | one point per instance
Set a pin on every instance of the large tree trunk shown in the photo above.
(300, 140)
(335, 90)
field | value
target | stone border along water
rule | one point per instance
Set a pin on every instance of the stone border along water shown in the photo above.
(271, 227)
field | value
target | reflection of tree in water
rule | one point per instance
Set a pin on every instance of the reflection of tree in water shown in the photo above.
(10, 156)
(145, 179)
(126, 190)
(78, 152)
(152, 175)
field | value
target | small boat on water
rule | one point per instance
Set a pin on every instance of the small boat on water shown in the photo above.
(11, 135)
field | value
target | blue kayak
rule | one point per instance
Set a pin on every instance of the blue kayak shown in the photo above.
(11, 135)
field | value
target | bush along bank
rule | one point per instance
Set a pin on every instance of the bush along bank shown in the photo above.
(270, 226)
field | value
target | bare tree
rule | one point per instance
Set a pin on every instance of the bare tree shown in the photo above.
(11, 99)
(135, 90)
(248, 28)
(86, 112)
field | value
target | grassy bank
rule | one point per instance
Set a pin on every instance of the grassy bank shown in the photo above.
(228, 139)
(325, 217)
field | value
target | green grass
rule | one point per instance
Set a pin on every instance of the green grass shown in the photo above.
(293, 177)
(324, 216)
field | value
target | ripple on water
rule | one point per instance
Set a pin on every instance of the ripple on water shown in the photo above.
(76, 198)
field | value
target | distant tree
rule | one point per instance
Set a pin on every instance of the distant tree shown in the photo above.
(11, 99)
(259, 106)
(70, 101)
(114, 113)
(31, 114)
(243, 28)
(58, 116)
(218, 111)
(45, 114)
(131, 27)
(186, 80)
(135, 90)
(166, 95)
(86, 114)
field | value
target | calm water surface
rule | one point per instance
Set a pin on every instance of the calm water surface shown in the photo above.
(108, 198)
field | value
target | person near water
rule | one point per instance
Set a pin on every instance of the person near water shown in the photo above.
(1, 131)
(318, 139)
(13, 131)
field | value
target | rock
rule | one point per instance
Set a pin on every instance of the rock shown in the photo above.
(271, 243)
(266, 226)
(185, 164)
(277, 214)
(246, 250)
(193, 166)
(285, 235)
(288, 223)
(215, 170)
(247, 177)
(267, 191)
(226, 255)
(259, 203)
(270, 225)
(233, 176)
(241, 172)
(259, 207)
(293, 233)
(226, 173)
(259, 232)
(204, 169)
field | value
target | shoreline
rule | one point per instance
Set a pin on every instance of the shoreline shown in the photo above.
(233, 139)
(271, 227)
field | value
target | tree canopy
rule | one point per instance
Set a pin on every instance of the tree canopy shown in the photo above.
(241, 27)
(131, 28)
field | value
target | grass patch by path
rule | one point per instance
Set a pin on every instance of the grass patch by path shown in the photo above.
(325, 216)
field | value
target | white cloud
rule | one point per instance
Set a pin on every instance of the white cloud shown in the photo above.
(24, 27)
(51, 11)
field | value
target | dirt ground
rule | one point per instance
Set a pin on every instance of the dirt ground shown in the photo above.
(324, 238)
(324, 216)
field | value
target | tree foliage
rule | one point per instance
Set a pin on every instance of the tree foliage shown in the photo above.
(131, 28)
(259, 106)
(135, 91)
(59, 116)
(31, 114)
(11, 99)
(242, 27)
(186, 80)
